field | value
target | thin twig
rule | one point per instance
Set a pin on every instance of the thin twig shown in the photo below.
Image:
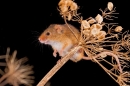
(106, 53)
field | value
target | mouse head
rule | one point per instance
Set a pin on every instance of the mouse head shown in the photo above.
(51, 34)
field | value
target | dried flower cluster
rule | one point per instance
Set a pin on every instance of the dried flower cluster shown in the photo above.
(16, 73)
(68, 9)
(66, 5)
(94, 30)
(98, 43)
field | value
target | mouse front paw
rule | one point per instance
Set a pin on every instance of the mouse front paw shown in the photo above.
(55, 53)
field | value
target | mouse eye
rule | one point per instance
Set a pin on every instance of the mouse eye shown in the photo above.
(48, 33)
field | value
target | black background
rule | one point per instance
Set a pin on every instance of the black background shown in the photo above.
(21, 22)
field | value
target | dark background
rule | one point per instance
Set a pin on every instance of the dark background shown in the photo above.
(21, 22)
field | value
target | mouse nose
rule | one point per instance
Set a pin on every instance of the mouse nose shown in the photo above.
(39, 39)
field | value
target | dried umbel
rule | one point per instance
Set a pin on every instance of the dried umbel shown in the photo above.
(67, 5)
(86, 32)
(68, 9)
(96, 31)
(16, 73)
(98, 43)
(109, 15)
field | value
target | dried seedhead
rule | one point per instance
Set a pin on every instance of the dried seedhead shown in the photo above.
(108, 15)
(95, 37)
(68, 9)
(99, 44)
(16, 73)
(124, 79)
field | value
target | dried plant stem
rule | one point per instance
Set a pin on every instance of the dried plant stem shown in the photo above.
(1, 72)
(2, 57)
(57, 66)
(107, 71)
(4, 77)
(70, 28)
(106, 53)
(2, 64)
(3, 83)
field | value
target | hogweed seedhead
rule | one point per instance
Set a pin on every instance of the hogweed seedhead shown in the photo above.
(108, 15)
(68, 9)
(95, 37)
(98, 43)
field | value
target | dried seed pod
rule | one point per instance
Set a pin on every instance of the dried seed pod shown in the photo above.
(99, 18)
(73, 6)
(69, 17)
(118, 29)
(101, 35)
(63, 5)
(95, 31)
(85, 24)
(64, 9)
(91, 21)
(69, 3)
(97, 26)
(86, 32)
(61, 2)
(110, 6)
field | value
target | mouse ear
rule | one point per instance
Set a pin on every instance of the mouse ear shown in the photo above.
(58, 28)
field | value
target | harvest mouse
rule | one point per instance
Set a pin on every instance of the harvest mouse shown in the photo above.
(61, 39)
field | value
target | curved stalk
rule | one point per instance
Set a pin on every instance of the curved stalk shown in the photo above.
(106, 53)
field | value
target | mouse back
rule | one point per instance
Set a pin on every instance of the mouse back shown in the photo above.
(74, 29)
